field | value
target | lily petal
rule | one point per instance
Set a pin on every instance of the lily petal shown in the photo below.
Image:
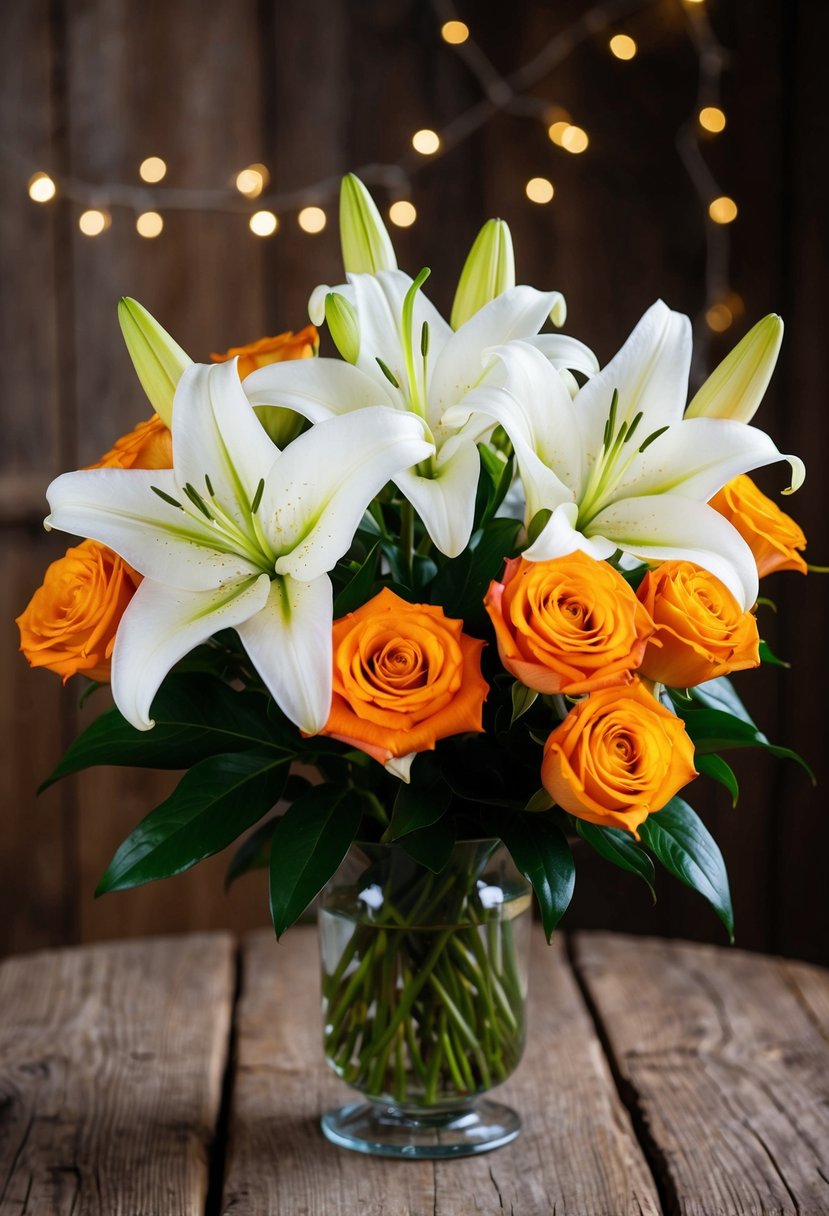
(161, 625)
(317, 388)
(446, 501)
(118, 508)
(670, 527)
(289, 644)
(324, 480)
(566, 353)
(379, 300)
(559, 537)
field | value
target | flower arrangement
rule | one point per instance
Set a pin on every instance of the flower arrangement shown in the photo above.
(459, 582)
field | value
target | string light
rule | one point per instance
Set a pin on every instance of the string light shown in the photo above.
(252, 180)
(574, 139)
(722, 210)
(623, 46)
(454, 32)
(41, 188)
(93, 222)
(149, 224)
(719, 317)
(426, 141)
(539, 190)
(311, 219)
(711, 118)
(403, 213)
(152, 169)
(263, 223)
(556, 131)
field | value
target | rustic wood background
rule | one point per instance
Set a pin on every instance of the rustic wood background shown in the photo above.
(90, 87)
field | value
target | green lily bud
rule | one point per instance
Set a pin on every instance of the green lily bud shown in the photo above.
(735, 388)
(489, 269)
(157, 359)
(343, 325)
(365, 242)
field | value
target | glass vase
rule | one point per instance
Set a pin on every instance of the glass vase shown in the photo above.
(424, 986)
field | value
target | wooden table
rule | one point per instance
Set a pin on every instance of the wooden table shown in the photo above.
(184, 1075)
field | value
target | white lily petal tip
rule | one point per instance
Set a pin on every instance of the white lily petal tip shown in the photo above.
(400, 766)
(316, 304)
(558, 312)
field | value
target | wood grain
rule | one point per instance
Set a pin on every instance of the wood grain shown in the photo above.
(111, 1060)
(577, 1153)
(725, 1067)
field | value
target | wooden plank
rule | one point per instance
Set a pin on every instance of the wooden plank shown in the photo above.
(727, 1069)
(111, 1063)
(577, 1152)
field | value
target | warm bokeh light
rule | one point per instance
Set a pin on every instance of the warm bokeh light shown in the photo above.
(93, 222)
(311, 219)
(454, 32)
(403, 213)
(426, 141)
(556, 130)
(263, 223)
(252, 180)
(41, 188)
(539, 190)
(623, 46)
(711, 118)
(719, 317)
(722, 210)
(149, 224)
(574, 139)
(735, 303)
(152, 169)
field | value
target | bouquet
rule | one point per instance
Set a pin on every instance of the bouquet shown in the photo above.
(458, 583)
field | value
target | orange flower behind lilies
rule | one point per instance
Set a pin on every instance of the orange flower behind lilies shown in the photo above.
(149, 445)
(71, 620)
(773, 536)
(617, 757)
(280, 349)
(569, 625)
(405, 675)
(701, 631)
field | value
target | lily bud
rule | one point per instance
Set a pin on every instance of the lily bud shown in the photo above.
(157, 359)
(366, 244)
(343, 325)
(489, 269)
(735, 388)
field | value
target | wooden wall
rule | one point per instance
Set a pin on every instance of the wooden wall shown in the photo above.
(90, 87)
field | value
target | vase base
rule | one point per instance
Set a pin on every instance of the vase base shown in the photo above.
(387, 1131)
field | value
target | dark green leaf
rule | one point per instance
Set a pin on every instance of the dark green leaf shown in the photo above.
(680, 840)
(721, 694)
(214, 802)
(358, 589)
(253, 853)
(714, 766)
(619, 848)
(495, 481)
(523, 698)
(418, 804)
(430, 846)
(537, 524)
(714, 731)
(542, 854)
(767, 655)
(195, 716)
(460, 586)
(309, 842)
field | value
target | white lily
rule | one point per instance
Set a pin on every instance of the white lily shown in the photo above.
(157, 358)
(238, 535)
(410, 358)
(618, 466)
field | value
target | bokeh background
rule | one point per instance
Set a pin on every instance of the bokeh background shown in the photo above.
(90, 88)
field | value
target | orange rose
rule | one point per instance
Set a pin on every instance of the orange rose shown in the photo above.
(772, 535)
(701, 631)
(149, 445)
(618, 756)
(569, 625)
(404, 676)
(272, 350)
(71, 620)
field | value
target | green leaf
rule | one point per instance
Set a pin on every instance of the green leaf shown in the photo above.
(542, 854)
(537, 524)
(195, 717)
(523, 698)
(419, 804)
(619, 848)
(459, 586)
(430, 846)
(253, 853)
(495, 481)
(309, 842)
(712, 731)
(680, 840)
(721, 694)
(539, 801)
(714, 766)
(767, 655)
(214, 802)
(358, 590)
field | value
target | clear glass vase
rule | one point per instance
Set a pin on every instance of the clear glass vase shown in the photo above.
(424, 986)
